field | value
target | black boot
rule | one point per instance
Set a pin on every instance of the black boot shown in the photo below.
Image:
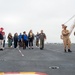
(69, 50)
(64, 50)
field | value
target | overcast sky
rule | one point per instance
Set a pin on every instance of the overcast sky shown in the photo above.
(23, 15)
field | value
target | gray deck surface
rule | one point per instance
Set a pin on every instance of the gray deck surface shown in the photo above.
(36, 60)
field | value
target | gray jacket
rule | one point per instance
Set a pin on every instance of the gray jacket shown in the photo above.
(42, 36)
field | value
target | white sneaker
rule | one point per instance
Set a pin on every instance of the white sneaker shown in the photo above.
(11, 47)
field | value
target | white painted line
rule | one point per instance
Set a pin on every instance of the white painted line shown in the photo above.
(21, 52)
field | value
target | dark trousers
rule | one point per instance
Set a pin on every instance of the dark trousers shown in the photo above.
(25, 44)
(9, 42)
(20, 43)
(3, 43)
(15, 43)
(30, 42)
(41, 44)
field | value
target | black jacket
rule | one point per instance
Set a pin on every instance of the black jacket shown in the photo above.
(1, 36)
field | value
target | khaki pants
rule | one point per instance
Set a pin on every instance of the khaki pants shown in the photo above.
(1, 44)
(66, 42)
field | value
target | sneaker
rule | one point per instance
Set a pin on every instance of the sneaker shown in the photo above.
(10, 46)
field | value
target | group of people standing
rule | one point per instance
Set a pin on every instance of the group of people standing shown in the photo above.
(26, 40)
